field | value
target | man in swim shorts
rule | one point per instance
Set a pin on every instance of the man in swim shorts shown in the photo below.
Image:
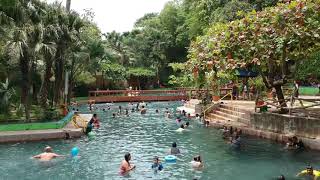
(47, 155)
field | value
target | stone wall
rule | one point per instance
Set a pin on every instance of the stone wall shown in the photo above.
(286, 124)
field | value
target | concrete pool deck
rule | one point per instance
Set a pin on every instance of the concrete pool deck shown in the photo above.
(69, 131)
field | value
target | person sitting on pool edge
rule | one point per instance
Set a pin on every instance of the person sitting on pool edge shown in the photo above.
(47, 155)
(125, 166)
(197, 162)
(156, 166)
(181, 128)
(174, 150)
(309, 172)
(143, 110)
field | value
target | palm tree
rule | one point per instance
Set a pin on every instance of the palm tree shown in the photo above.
(5, 95)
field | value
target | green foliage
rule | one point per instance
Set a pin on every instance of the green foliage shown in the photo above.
(262, 39)
(140, 72)
(85, 78)
(6, 94)
(309, 67)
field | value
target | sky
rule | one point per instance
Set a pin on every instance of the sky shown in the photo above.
(118, 15)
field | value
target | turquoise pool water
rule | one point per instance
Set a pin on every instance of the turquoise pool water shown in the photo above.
(145, 136)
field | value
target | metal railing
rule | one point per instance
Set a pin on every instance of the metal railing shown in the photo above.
(215, 103)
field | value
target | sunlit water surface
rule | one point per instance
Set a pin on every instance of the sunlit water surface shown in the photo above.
(146, 136)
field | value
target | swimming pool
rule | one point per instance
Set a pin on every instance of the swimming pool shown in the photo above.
(146, 136)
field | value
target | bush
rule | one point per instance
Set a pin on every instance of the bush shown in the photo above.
(51, 114)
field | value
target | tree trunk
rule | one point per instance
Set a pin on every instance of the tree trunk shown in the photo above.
(25, 84)
(46, 83)
(280, 97)
(59, 70)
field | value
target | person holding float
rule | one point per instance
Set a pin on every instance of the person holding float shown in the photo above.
(126, 166)
(310, 173)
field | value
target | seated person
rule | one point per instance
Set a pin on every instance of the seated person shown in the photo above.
(197, 117)
(196, 162)
(290, 144)
(174, 150)
(310, 173)
(156, 166)
(47, 155)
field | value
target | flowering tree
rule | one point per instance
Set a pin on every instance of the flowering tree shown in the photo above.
(265, 40)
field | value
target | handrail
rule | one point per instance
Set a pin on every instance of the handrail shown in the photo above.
(204, 111)
(75, 123)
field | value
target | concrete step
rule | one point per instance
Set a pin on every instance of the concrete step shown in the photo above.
(236, 113)
(219, 117)
(235, 108)
(232, 117)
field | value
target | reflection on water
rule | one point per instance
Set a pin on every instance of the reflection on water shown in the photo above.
(146, 136)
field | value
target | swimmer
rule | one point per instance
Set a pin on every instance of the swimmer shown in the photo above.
(197, 117)
(168, 115)
(47, 155)
(157, 110)
(181, 128)
(120, 110)
(189, 116)
(127, 112)
(114, 115)
(236, 142)
(125, 166)
(197, 162)
(143, 110)
(174, 150)
(309, 172)
(178, 120)
(156, 166)
(132, 110)
(186, 125)
(281, 177)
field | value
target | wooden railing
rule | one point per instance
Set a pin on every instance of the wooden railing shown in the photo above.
(136, 95)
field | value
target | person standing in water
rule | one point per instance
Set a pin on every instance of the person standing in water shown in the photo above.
(125, 166)
(197, 162)
(143, 110)
(96, 122)
(47, 155)
(156, 166)
(174, 150)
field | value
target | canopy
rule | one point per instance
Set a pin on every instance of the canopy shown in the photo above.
(246, 73)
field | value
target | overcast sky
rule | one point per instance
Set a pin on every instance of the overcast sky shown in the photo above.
(118, 15)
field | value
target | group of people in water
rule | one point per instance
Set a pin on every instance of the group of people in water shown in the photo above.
(231, 135)
(126, 166)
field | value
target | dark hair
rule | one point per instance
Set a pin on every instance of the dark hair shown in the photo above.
(94, 115)
(126, 157)
(142, 106)
(187, 123)
(197, 115)
(182, 126)
(174, 144)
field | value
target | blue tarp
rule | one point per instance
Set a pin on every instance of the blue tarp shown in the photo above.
(246, 73)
